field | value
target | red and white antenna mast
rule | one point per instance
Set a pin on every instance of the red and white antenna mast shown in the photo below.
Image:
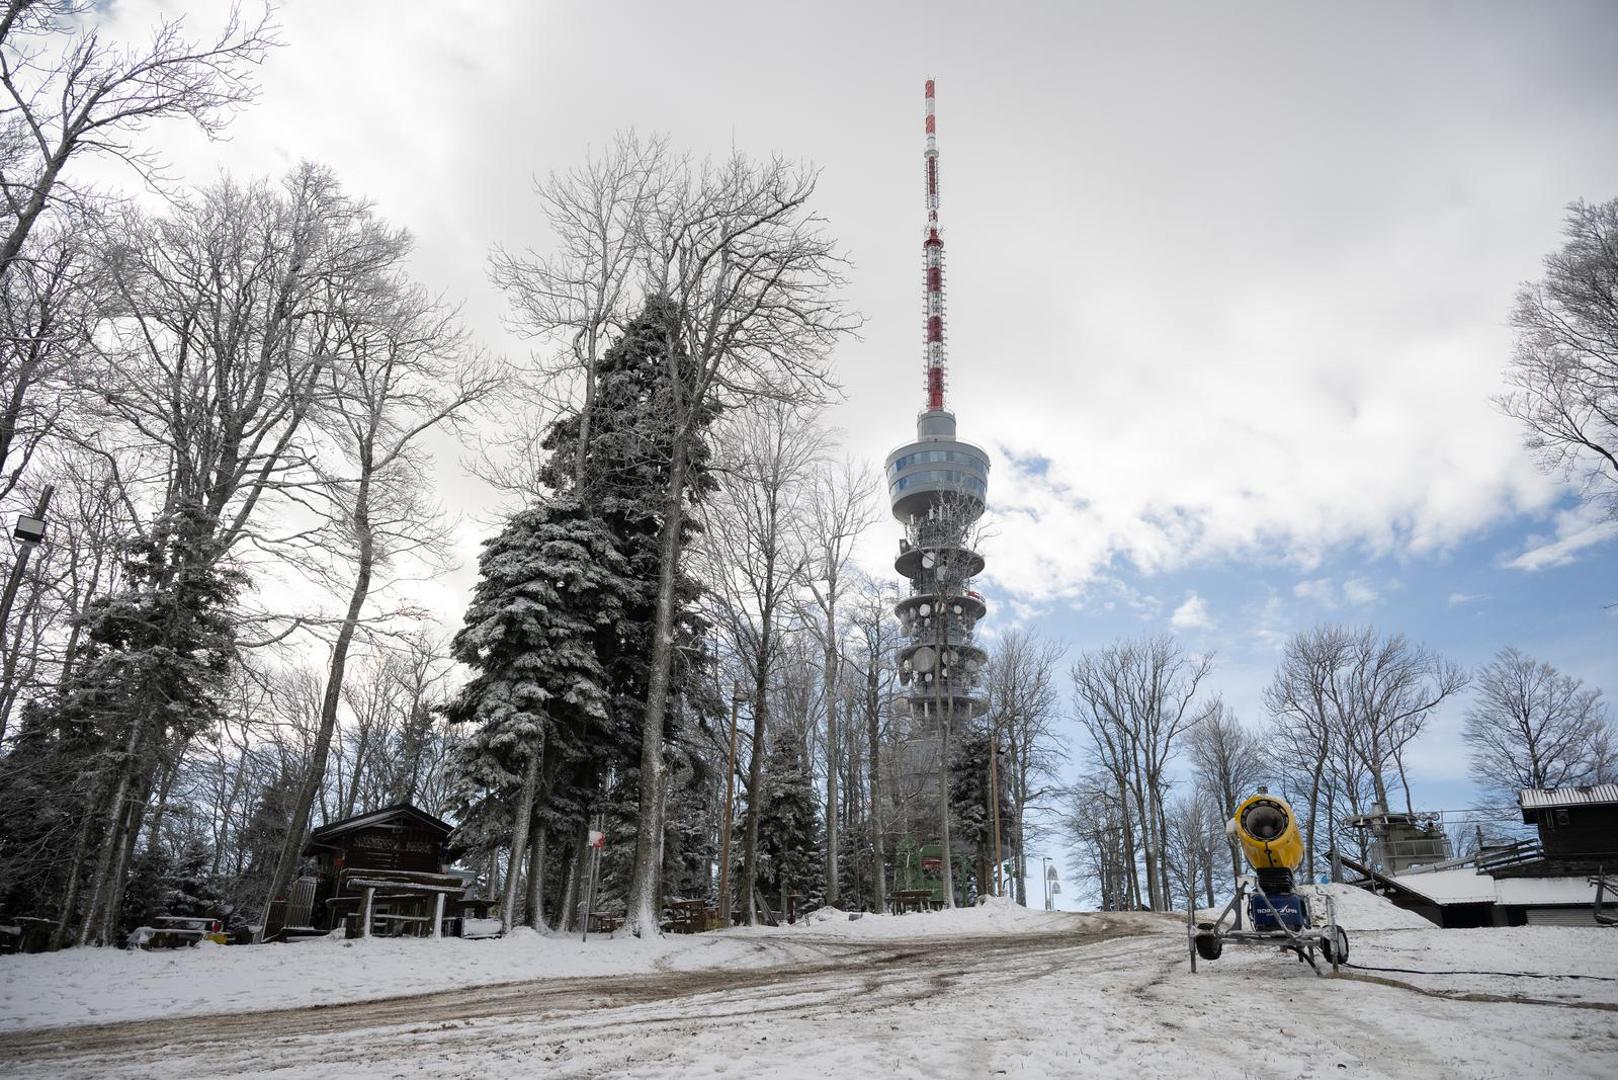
(933, 256)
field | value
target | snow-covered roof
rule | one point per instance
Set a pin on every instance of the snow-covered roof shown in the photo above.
(1467, 886)
(377, 817)
(1463, 885)
(1554, 798)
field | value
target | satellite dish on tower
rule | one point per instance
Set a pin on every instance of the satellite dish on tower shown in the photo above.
(928, 559)
(923, 659)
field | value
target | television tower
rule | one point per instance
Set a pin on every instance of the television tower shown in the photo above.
(938, 487)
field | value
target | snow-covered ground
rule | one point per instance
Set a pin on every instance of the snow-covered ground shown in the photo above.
(988, 992)
(79, 986)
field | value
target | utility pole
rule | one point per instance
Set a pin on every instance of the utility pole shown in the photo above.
(730, 800)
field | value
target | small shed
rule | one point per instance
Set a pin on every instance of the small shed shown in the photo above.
(381, 872)
(1578, 826)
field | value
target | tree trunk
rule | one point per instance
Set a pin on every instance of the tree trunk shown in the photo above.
(522, 814)
(641, 914)
(292, 846)
(536, 879)
(874, 735)
(100, 882)
(577, 871)
(755, 799)
(832, 758)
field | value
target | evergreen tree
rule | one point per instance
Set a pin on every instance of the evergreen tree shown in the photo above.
(969, 803)
(148, 677)
(789, 826)
(620, 474)
(550, 585)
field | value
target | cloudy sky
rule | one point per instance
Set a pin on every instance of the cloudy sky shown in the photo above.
(1228, 284)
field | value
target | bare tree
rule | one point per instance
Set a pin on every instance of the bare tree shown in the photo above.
(1023, 704)
(1530, 726)
(403, 372)
(1229, 762)
(1135, 700)
(1389, 689)
(212, 409)
(1193, 837)
(1099, 837)
(1564, 370)
(840, 510)
(572, 298)
(753, 557)
(752, 277)
(69, 94)
(876, 635)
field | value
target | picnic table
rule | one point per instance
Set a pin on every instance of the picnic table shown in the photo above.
(913, 900)
(602, 923)
(692, 916)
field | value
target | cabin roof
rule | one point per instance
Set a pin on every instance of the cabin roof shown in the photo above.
(1561, 798)
(329, 835)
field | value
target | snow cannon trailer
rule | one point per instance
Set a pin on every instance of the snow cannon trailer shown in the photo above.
(1276, 913)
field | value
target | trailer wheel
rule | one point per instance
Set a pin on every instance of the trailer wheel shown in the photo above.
(1336, 952)
(1209, 946)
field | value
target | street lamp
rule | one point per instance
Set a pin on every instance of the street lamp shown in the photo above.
(29, 533)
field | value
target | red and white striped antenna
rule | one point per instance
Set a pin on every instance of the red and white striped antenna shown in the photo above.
(933, 260)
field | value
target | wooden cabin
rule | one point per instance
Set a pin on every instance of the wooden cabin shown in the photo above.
(385, 872)
(1578, 826)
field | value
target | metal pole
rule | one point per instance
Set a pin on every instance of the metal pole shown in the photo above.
(730, 799)
(25, 549)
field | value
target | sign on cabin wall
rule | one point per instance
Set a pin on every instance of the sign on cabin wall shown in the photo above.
(392, 847)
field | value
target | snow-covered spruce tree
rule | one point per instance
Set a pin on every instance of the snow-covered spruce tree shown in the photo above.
(621, 476)
(148, 678)
(549, 584)
(789, 826)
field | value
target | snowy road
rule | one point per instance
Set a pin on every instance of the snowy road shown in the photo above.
(1092, 996)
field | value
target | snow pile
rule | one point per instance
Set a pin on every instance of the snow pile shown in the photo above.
(1360, 909)
(994, 915)
(77, 986)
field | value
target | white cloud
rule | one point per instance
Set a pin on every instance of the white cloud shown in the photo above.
(1358, 592)
(1192, 615)
(1319, 592)
(1458, 599)
(1210, 370)
(1576, 530)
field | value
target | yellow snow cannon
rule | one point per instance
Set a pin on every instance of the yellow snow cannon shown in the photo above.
(1268, 831)
(1274, 911)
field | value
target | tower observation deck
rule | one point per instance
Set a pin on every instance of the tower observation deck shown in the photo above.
(938, 489)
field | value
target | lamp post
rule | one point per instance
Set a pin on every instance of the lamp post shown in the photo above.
(736, 697)
(30, 531)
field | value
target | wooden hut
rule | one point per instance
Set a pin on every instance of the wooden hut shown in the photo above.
(385, 872)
